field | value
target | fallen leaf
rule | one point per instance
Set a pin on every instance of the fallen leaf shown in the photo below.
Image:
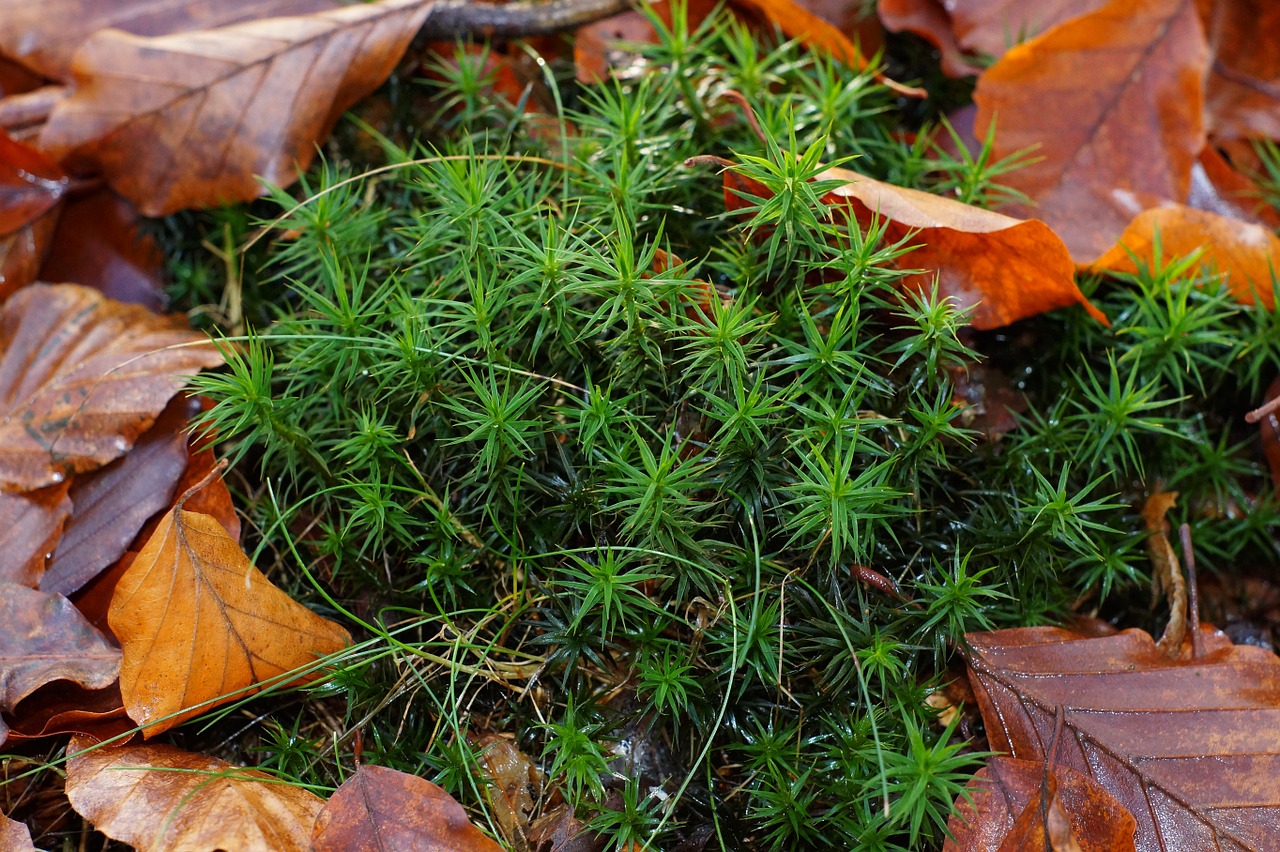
(1166, 570)
(1006, 809)
(1244, 254)
(47, 639)
(15, 836)
(1268, 420)
(1191, 748)
(157, 797)
(202, 119)
(1243, 97)
(44, 36)
(1113, 101)
(97, 244)
(30, 526)
(1218, 188)
(991, 27)
(797, 22)
(81, 377)
(31, 192)
(513, 782)
(199, 625)
(63, 707)
(1005, 269)
(379, 808)
(929, 20)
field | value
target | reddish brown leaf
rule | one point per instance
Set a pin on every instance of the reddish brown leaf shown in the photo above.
(1006, 809)
(62, 707)
(379, 808)
(30, 526)
(1113, 100)
(81, 377)
(1006, 269)
(1218, 188)
(799, 23)
(991, 27)
(194, 120)
(97, 244)
(14, 836)
(46, 639)
(198, 623)
(214, 499)
(16, 79)
(1243, 253)
(929, 20)
(133, 794)
(45, 35)
(31, 191)
(1268, 421)
(111, 504)
(1243, 98)
(1190, 748)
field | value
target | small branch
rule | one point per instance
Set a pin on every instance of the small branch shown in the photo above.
(1193, 591)
(449, 20)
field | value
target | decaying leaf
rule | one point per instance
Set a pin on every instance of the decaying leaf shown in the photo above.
(30, 526)
(1113, 102)
(1166, 570)
(63, 707)
(990, 27)
(1243, 253)
(44, 36)
(513, 782)
(1244, 82)
(379, 808)
(928, 19)
(45, 639)
(1191, 748)
(161, 798)
(198, 623)
(1009, 811)
(32, 188)
(81, 377)
(200, 119)
(1005, 269)
(14, 836)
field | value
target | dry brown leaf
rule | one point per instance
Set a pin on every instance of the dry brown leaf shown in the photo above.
(929, 20)
(382, 809)
(1006, 269)
(1246, 255)
(197, 119)
(1243, 98)
(32, 188)
(1191, 748)
(513, 782)
(161, 798)
(30, 526)
(198, 623)
(14, 836)
(1219, 188)
(1113, 101)
(43, 36)
(81, 377)
(1166, 570)
(1006, 809)
(45, 639)
(991, 27)
(62, 707)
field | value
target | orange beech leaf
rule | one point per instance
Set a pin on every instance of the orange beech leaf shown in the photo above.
(1243, 97)
(30, 526)
(81, 377)
(201, 119)
(1113, 102)
(1008, 811)
(15, 836)
(198, 622)
(380, 809)
(45, 639)
(161, 798)
(1006, 269)
(990, 27)
(43, 36)
(112, 503)
(1190, 747)
(1245, 254)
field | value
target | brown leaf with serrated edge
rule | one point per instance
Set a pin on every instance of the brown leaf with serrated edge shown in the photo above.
(112, 503)
(45, 639)
(1243, 253)
(14, 836)
(44, 36)
(1243, 98)
(200, 625)
(1113, 100)
(1006, 809)
(81, 377)
(30, 526)
(157, 797)
(201, 119)
(1191, 748)
(379, 808)
(1006, 269)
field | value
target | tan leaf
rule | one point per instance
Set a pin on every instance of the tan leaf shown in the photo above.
(198, 622)
(195, 119)
(381, 809)
(45, 639)
(157, 797)
(1191, 747)
(1245, 254)
(1113, 100)
(43, 36)
(81, 377)
(15, 836)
